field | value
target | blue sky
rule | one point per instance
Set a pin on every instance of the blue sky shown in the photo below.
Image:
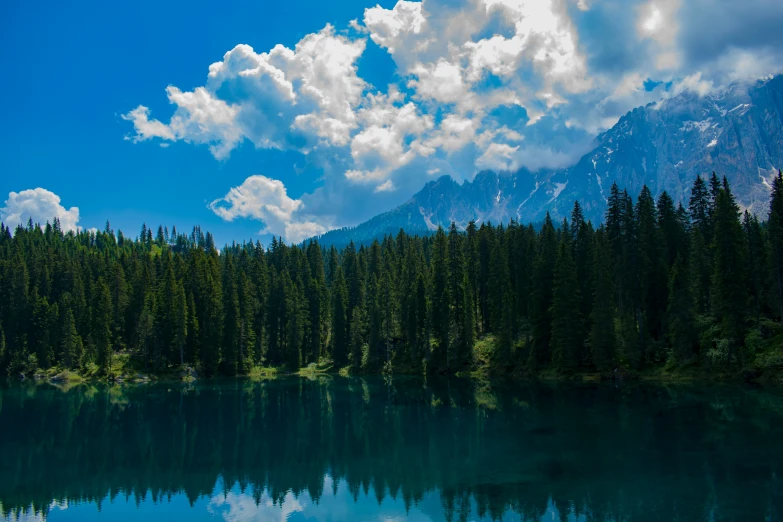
(251, 118)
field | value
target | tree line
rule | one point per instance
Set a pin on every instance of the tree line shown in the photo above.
(656, 284)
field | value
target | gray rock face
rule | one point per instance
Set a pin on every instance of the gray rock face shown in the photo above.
(737, 132)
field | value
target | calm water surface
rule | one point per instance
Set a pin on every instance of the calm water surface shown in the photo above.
(334, 449)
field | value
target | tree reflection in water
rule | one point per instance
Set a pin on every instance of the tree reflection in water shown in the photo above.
(335, 448)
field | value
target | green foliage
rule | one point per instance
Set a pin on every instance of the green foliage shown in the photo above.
(654, 287)
(603, 340)
(567, 339)
(541, 297)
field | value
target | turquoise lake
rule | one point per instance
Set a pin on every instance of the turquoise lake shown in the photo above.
(375, 449)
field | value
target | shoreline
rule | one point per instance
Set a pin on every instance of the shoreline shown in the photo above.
(59, 376)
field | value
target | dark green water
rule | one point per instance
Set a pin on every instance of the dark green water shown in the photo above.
(352, 449)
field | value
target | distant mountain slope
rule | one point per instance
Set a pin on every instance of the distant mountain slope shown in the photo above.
(736, 132)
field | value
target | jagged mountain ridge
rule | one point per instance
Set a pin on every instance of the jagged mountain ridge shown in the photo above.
(736, 132)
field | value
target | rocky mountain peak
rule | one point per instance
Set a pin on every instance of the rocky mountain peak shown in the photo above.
(736, 132)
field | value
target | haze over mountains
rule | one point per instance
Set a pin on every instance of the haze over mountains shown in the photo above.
(736, 132)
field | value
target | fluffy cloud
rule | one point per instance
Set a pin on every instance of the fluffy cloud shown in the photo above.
(397, 29)
(498, 156)
(441, 82)
(266, 200)
(146, 129)
(499, 84)
(284, 98)
(41, 206)
(453, 134)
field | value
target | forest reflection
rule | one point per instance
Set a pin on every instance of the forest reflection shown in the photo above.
(475, 450)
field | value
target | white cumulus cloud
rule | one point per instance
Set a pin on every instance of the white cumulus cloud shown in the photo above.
(266, 200)
(41, 206)
(269, 98)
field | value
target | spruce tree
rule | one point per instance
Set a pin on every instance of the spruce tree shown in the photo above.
(339, 320)
(247, 332)
(211, 322)
(102, 314)
(2, 346)
(652, 282)
(680, 321)
(375, 324)
(296, 323)
(699, 206)
(179, 316)
(192, 328)
(440, 307)
(353, 280)
(472, 263)
(358, 326)
(775, 226)
(419, 337)
(460, 342)
(582, 242)
(318, 303)
(567, 338)
(231, 320)
(729, 294)
(756, 264)
(486, 235)
(602, 333)
(671, 234)
(541, 298)
(72, 347)
(501, 310)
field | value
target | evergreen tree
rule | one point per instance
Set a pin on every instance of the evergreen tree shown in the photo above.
(541, 298)
(211, 318)
(358, 325)
(231, 320)
(699, 207)
(582, 241)
(102, 314)
(375, 325)
(72, 347)
(422, 347)
(440, 307)
(318, 303)
(671, 233)
(354, 282)
(729, 292)
(775, 226)
(339, 320)
(756, 255)
(632, 332)
(602, 333)
(652, 282)
(472, 266)
(145, 331)
(180, 321)
(192, 330)
(567, 338)
(295, 324)
(681, 330)
(247, 332)
(500, 292)
(486, 236)
(2, 345)
(460, 312)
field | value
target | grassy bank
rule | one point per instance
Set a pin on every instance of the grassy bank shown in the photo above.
(766, 366)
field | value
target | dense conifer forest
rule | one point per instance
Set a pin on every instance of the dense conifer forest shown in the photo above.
(656, 286)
